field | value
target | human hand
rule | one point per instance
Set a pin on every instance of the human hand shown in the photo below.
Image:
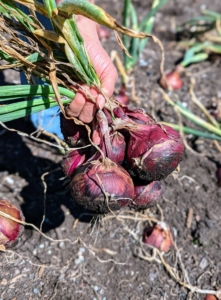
(82, 107)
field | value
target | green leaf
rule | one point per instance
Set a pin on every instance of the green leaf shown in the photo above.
(212, 14)
(194, 132)
(194, 49)
(25, 90)
(28, 109)
(195, 59)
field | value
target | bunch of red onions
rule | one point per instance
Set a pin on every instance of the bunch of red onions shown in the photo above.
(134, 153)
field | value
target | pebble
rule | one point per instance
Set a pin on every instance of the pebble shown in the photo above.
(203, 264)
(96, 288)
(79, 260)
(35, 291)
(9, 180)
(143, 63)
(61, 245)
(34, 252)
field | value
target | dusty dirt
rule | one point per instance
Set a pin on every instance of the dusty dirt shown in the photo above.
(98, 258)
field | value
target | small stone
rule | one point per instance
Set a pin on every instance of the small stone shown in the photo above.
(61, 245)
(4, 281)
(9, 180)
(79, 260)
(203, 264)
(96, 288)
(35, 291)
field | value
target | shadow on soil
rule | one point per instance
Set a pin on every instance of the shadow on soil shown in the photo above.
(16, 157)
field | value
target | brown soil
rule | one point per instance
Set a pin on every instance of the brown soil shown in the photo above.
(100, 258)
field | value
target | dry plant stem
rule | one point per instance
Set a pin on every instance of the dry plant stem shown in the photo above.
(183, 135)
(138, 217)
(212, 38)
(200, 105)
(218, 26)
(189, 218)
(60, 143)
(115, 57)
(39, 140)
(167, 98)
(59, 240)
(217, 146)
(44, 204)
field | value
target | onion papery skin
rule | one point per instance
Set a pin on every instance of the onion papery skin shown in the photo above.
(138, 115)
(154, 151)
(91, 180)
(9, 229)
(146, 196)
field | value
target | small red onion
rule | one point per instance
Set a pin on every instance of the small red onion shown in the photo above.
(138, 115)
(72, 160)
(159, 236)
(154, 151)
(102, 186)
(146, 196)
(9, 229)
(172, 80)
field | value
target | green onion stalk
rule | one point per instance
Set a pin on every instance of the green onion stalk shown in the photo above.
(135, 46)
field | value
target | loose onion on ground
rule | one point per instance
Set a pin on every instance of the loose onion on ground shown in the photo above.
(10, 230)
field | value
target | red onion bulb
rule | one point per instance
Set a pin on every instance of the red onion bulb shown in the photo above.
(154, 151)
(159, 236)
(146, 196)
(9, 229)
(102, 186)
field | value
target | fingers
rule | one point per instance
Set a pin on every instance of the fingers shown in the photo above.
(82, 106)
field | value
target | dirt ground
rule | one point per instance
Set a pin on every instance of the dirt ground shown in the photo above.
(104, 258)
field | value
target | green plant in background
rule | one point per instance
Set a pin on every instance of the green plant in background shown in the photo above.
(212, 127)
(204, 33)
(134, 46)
(204, 39)
(130, 19)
